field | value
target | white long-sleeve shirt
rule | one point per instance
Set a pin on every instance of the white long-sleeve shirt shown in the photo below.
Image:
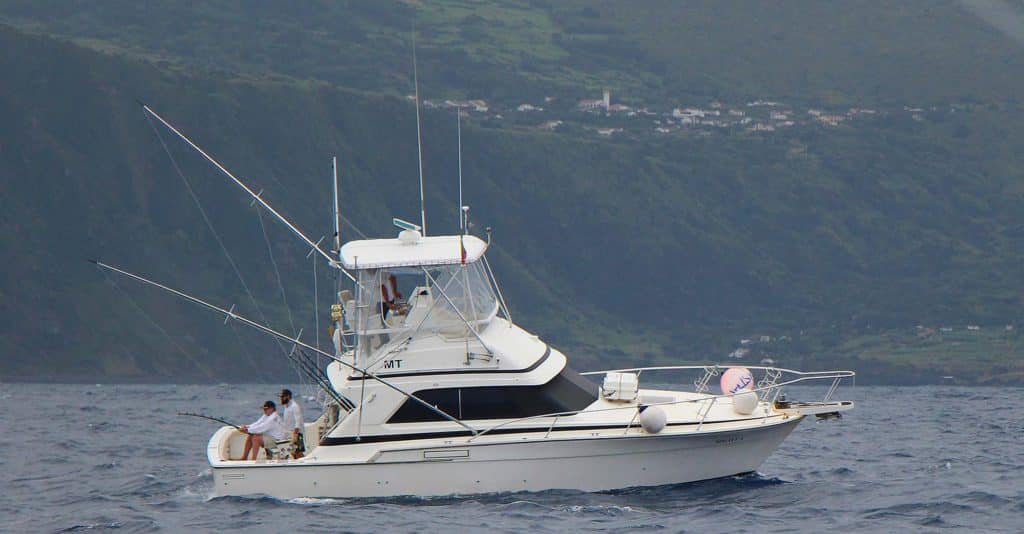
(271, 425)
(292, 416)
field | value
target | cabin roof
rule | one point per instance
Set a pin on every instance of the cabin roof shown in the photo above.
(431, 250)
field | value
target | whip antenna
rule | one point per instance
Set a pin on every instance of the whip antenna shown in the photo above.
(462, 217)
(419, 140)
(337, 207)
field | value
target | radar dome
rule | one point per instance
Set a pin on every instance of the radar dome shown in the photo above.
(409, 237)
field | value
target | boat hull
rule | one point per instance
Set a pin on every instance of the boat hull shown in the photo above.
(586, 464)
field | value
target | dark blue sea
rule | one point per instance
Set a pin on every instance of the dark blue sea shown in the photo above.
(117, 457)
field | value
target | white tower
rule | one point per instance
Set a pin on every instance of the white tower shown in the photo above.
(607, 100)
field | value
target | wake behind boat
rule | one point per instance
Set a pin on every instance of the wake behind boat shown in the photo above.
(432, 389)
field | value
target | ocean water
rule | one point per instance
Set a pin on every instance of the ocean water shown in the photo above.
(117, 457)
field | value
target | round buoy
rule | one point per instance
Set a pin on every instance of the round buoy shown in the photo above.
(744, 402)
(735, 380)
(652, 419)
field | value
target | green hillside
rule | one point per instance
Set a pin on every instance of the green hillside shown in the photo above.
(638, 248)
(850, 52)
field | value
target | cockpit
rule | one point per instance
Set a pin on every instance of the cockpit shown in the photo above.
(422, 285)
(428, 297)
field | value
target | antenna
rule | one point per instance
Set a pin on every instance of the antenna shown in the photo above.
(419, 141)
(462, 224)
(337, 207)
(404, 225)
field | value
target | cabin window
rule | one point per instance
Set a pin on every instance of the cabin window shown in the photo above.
(567, 392)
(437, 297)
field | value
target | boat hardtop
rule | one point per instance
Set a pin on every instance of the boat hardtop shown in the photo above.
(413, 251)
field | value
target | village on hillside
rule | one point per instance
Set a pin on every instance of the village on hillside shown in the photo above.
(770, 350)
(606, 118)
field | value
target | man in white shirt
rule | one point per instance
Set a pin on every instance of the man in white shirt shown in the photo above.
(389, 295)
(267, 431)
(293, 423)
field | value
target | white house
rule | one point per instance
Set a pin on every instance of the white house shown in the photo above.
(688, 113)
(738, 354)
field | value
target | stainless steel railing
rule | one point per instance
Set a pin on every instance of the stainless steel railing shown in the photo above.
(768, 387)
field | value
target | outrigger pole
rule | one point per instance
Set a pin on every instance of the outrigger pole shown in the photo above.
(230, 314)
(256, 196)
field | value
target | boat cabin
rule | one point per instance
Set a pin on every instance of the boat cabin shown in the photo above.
(427, 315)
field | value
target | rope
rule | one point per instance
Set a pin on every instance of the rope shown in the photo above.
(216, 236)
(238, 274)
(277, 272)
(149, 318)
(354, 227)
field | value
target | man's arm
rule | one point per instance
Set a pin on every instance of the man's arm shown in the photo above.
(261, 425)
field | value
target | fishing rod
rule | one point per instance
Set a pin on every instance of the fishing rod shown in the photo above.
(304, 365)
(230, 314)
(210, 417)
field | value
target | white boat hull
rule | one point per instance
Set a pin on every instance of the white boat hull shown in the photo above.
(578, 463)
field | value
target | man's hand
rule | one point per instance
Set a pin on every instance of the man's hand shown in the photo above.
(244, 429)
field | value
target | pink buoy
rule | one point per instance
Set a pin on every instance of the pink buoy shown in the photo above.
(736, 379)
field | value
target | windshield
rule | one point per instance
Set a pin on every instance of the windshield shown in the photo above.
(442, 298)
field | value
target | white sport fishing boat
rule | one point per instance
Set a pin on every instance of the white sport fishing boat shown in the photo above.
(441, 393)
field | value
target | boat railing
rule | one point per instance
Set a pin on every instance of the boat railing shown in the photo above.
(768, 389)
(770, 378)
(769, 382)
(701, 384)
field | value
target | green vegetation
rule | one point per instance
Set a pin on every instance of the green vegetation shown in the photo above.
(987, 355)
(638, 250)
(849, 53)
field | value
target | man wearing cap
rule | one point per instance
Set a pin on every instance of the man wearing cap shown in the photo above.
(266, 432)
(293, 423)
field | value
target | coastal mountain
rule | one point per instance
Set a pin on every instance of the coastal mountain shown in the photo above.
(635, 246)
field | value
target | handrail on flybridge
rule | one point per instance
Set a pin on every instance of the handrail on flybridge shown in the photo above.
(333, 262)
(230, 314)
(802, 377)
